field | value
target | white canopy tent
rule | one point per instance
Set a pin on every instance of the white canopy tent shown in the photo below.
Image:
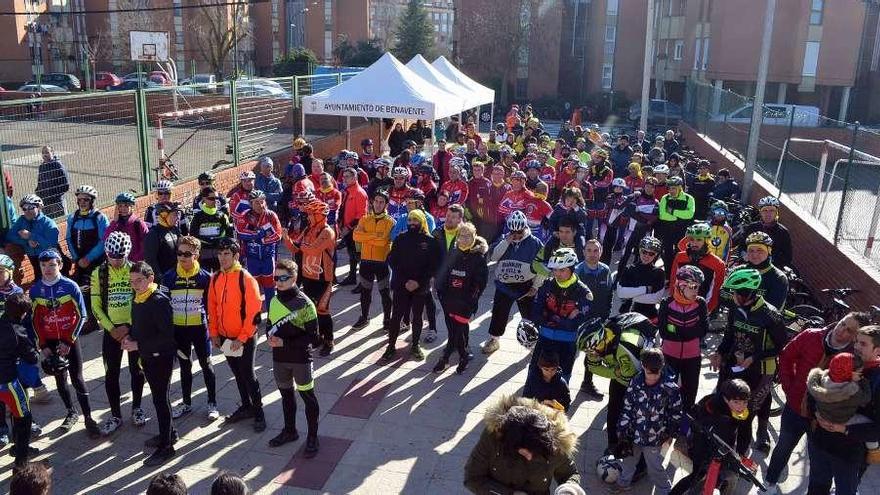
(482, 94)
(426, 71)
(386, 89)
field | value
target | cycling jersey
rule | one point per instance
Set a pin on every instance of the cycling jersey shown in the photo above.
(554, 304)
(210, 225)
(58, 310)
(748, 330)
(111, 295)
(641, 287)
(239, 205)
(333, 199)
(187, 291)
(458, 191)
(293, 317)
(515, 261)
(85, 234)
(719, 240)
(713, 274)
(397, 201)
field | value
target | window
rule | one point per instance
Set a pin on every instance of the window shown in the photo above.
(696, 53)
(705, 53)
(816, 12)
(811, 58)
(611, 9)
(607, 72)
(679, 50)
(610, 33)
(328, 11)
(609, 49)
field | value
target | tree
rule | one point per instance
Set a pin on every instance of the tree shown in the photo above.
(218, 27)
(299, 62)
(414, 34)
(131, 19)
(362, 54)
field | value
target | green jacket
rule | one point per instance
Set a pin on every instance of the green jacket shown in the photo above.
(491, 470)
(621, 363)
(111, 301)
(681, 207)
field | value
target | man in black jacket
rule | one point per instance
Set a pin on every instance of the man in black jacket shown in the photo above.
(15, 346)
(445, 236)
(414, 258)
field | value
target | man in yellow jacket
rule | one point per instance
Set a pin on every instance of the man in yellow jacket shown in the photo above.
(233, 310)
(373, 233)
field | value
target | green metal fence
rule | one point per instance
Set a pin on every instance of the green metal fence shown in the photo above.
(126, 140)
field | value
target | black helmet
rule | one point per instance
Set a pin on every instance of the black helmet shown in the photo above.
(366, 142)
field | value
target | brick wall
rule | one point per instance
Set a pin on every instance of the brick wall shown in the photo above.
(819, 261)
(225, 180)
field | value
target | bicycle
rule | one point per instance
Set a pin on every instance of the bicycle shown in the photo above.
(724, 457)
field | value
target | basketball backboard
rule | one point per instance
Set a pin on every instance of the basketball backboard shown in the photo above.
(149, 46)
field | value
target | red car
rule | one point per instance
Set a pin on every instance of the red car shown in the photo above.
(104, 80)
(157, 76)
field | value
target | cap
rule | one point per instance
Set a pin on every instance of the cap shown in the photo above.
(50, 254)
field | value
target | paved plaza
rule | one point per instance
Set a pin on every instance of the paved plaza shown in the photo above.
(384, 429)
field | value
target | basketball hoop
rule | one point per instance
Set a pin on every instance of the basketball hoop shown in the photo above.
(149, 46)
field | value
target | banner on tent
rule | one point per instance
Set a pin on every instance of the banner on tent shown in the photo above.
(368, 109)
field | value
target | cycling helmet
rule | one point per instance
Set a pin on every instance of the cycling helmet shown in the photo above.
(535, 164)
(366, 142)
(562, 258)
(206, 177)
(674, 181)
(6, 262)
(649, 243)
(303, 197)
(125, 198)
(163, 186)
(167, 207)
(743, 279)
(517, 221)
(661, 169)
(382, 162)
(618, 182)
(768, 201)
(49, 254)
(349, 155)
(417, 160)
(590, 334)
(457, 162)
(256, 194)
(400, 173)
(689, 273)
(32, 200)
(527, 334)
(759, 237)
(247, 175)
(87, 190)
(505, 150)
(316, 207)
(118, 243)
(719, 205)
(265, 160)
(418, 195)
(459, 150)
(54, 364)
(700, 230)
(518, 174)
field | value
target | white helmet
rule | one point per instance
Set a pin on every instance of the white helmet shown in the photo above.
(527, 334)
(247, 174)
(164, 186)
(562, 258)
(31, 199)
(517, 221)
(661, 169)
(118, 243)
(87, 190)
(768, 201)
(6, 262)
(458, 162)
(618, 182)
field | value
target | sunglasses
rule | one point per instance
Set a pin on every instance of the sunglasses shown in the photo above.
(28, 208)
(163, 194)
(115, 256)
(184, 254)
(282, 278)
(690, 285)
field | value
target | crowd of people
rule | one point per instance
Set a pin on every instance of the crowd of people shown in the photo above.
(423, 226)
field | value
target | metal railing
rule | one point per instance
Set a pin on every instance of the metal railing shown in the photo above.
(126, 140)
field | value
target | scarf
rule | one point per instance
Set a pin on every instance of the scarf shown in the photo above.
(184, 274)
(143, 296)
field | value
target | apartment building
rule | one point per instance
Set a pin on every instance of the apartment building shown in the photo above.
(384, 15)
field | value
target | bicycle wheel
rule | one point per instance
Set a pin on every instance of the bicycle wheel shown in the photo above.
(810, 314)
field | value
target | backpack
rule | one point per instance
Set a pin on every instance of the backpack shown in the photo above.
(632, 320)
(259, 316)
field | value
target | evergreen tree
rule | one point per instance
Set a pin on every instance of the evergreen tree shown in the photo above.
(414, 34)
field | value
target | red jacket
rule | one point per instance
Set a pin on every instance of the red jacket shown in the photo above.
(354, 206)
(802, 353)
(714, 270)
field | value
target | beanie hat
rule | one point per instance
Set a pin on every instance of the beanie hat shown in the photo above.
(840, 368)
(297, 171)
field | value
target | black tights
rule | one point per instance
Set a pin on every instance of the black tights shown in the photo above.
(157, 370)
(189, 338)
(288, 405)
(406, 302)
(458, 338)
(75, 370)
(112, 356)
(243, 369)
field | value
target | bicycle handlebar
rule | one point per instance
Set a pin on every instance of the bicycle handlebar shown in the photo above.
(726, 454)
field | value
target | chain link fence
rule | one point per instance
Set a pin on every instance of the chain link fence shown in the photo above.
(106, 140)
(828, 167)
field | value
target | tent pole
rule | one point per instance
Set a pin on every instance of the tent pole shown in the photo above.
(303, 126)
(348, 132)
(492, 116)
(381, 137)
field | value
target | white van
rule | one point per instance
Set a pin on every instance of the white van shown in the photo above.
(774, 114)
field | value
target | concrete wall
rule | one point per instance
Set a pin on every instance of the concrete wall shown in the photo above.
(819, 261)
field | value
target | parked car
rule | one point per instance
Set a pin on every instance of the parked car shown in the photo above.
(134, 76)
(42, 88)
(133, 84)
(659, 112)
(104, 80)
(160, 77)
(251, 89)
(774, 114)
(208, 82)
(66, 81)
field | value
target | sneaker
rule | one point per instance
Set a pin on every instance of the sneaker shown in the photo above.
(431, 335)
(417, 353)
(490, 346)
(389, 354)
(4, 440)
(110, 425)
(36, 430)
(41, 395)
(259, 421)
(71, 419)
(762, 444)
(360, 324)
(181, 410)
(326, 349)
(590, 389)
(160, 456)
(312, 446)
(92, 428)
(139, 416)
(154, 441)
(441, 365)
(772, 489)
(213, 412)
(32, 451)
(243, 412)
(404, 327)
(286, 436)
(462, 365)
